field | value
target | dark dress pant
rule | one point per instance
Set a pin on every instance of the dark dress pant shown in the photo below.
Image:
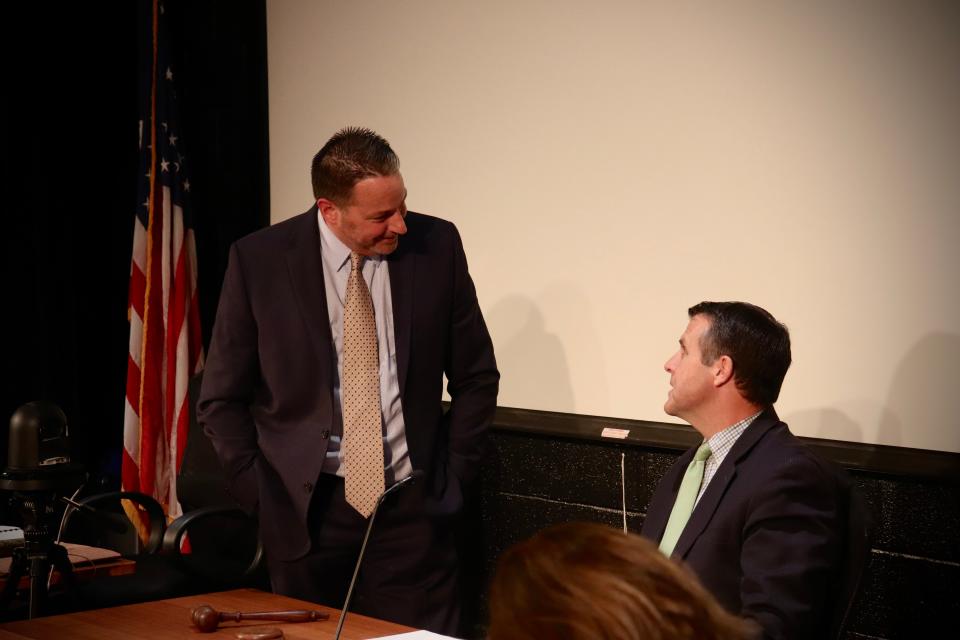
(409, 572)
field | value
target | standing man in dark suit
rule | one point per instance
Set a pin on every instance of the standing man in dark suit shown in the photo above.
(323, 387)
(752, 511)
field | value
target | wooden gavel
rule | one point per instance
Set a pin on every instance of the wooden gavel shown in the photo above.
(206, 619)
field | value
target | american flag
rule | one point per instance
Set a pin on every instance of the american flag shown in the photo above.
(165, 340)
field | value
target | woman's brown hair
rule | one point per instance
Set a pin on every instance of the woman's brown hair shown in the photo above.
(583, 581)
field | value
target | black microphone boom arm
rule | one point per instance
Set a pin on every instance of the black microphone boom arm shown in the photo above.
(356, 570)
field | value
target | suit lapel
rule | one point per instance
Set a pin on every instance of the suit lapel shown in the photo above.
(401, 264)
(306, 275)
(707, 506)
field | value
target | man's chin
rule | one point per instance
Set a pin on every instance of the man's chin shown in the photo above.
(386, 247)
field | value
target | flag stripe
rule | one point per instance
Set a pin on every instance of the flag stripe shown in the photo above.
(165, 337)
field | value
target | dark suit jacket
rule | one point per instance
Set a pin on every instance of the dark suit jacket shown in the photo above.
(766, 536)
(267, 395)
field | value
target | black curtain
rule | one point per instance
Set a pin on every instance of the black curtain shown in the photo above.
(221, 52)
(70, 165)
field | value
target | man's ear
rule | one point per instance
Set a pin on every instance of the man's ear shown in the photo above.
(722, 371)
(328, 210)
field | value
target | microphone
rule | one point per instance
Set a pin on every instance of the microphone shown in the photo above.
(417, 474)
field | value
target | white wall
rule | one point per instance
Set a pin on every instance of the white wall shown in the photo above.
(610, 164)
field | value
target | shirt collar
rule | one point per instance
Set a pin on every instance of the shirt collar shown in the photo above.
(722, 441)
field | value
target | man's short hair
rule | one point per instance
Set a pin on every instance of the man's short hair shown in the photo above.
(352, 154)
(758, 345)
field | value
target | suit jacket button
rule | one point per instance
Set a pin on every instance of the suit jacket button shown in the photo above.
(308, 486)
(325, 434)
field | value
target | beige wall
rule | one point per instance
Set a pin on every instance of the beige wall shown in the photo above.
(611, 163)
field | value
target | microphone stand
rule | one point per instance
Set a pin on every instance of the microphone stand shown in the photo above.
(356, 570)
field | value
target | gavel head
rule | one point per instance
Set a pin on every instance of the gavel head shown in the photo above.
(205, 618)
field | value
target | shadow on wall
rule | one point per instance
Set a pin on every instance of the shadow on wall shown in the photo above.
(925, 391)
(531, 360)
(828, 423)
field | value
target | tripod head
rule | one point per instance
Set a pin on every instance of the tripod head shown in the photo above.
(39, 451)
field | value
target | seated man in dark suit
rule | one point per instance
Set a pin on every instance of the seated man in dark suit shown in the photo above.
(754, 513)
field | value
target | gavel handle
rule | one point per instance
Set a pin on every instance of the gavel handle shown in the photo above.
(298, 615)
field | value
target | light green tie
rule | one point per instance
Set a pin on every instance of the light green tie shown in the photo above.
(686, 499)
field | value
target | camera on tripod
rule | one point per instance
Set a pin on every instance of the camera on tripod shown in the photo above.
(38, 470)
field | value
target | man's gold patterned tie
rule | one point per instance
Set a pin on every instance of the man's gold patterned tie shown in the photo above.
(362, 422)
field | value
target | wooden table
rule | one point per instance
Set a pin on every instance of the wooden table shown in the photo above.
(87, 562)
(170, 620)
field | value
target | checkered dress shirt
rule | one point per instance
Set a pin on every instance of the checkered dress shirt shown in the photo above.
(720, 445)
